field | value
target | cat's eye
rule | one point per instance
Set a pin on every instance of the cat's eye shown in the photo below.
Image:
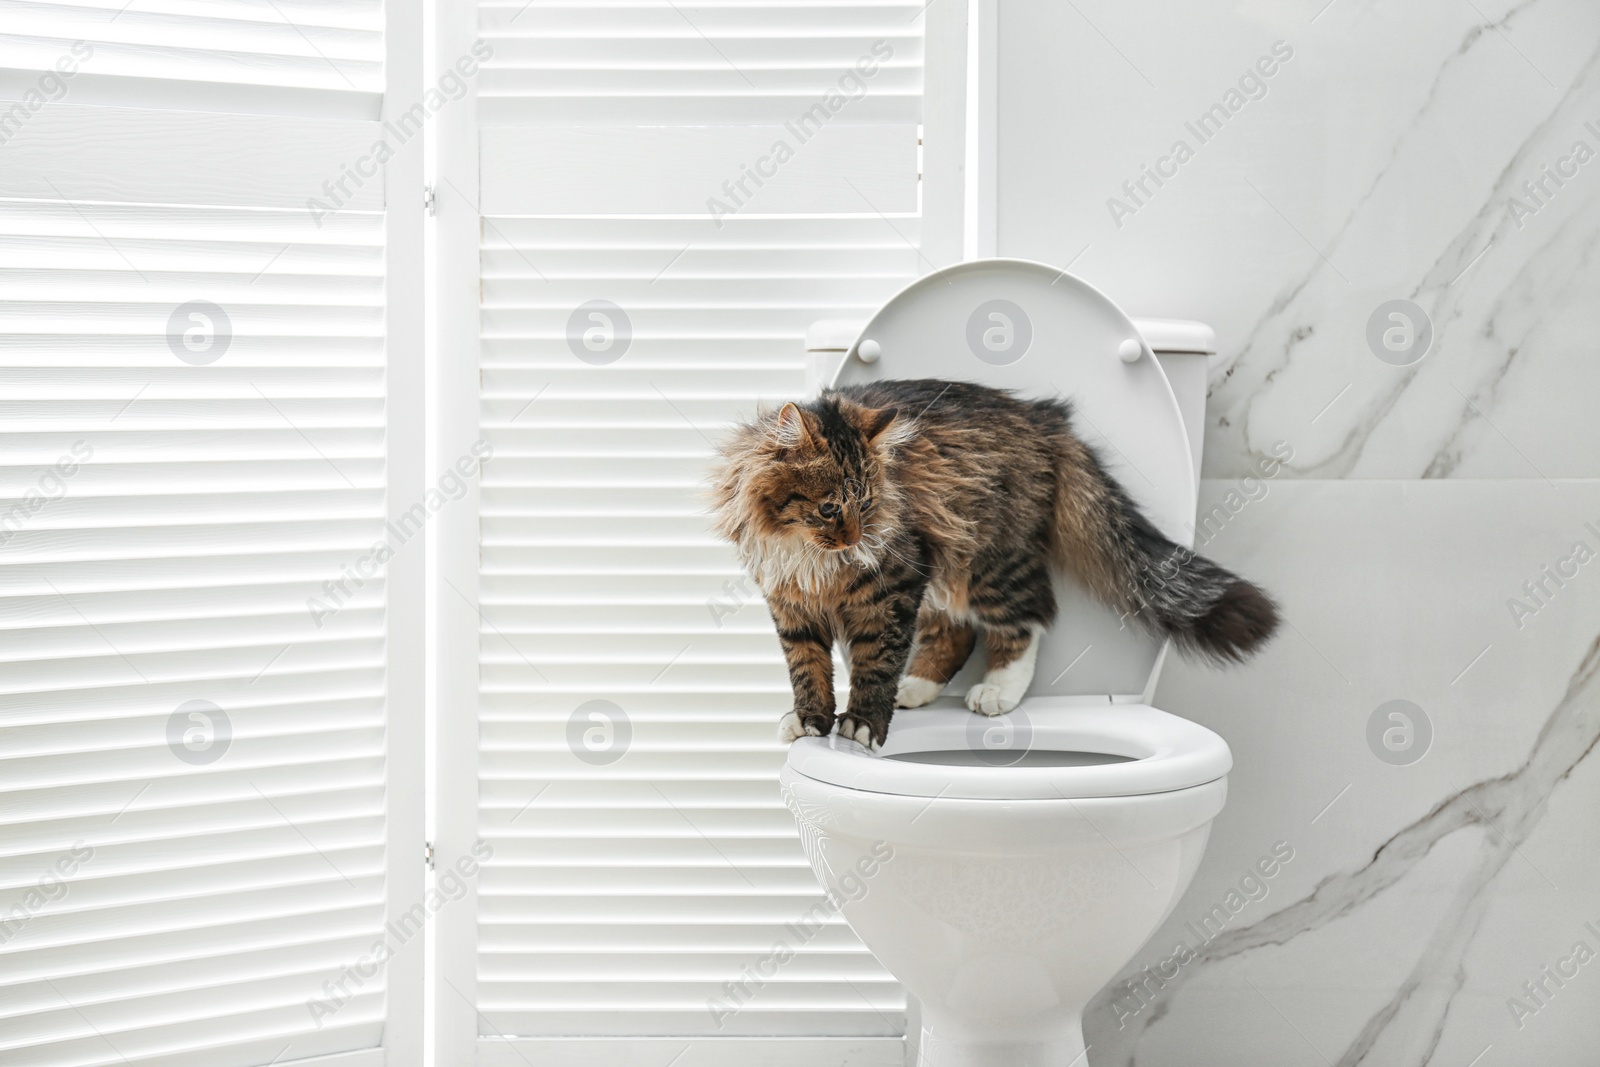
(866, 505)
(828, 510)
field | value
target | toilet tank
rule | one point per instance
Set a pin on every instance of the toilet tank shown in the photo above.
(1181, 347)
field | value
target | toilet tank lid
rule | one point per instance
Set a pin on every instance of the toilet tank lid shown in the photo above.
(1162, 335)
(1177, 335)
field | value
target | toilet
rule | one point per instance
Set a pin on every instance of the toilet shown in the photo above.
(1004, 869)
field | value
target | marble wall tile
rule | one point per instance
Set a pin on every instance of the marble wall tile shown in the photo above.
(1381, 163)
(1419, 897)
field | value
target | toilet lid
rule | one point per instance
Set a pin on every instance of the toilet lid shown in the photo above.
(1024, 326)
(1042, 751)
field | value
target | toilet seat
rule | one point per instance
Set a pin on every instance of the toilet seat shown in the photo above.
(1167, 753)
(1041, 332)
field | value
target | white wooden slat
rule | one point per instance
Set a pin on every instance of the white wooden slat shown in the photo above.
(39, 652)
(59, 765)
(287, 957)
(689, 615)
(805, 167)
(775, 1010)
(167, 94)
(547, 578)
(622, 937)
(285, 904)
(97, 962)
(55, 830)
(704, 1052)
(500, 797)
(231, 1039)
(624, 241)
(517, 102)
(576, 967)
(264, 597)
(126, 155)
(857, 1006)
(293, 56)
(371, 1057)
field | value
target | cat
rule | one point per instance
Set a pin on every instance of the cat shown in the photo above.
(901, 518)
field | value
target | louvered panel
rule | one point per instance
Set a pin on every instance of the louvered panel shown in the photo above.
(657, 63)
(192, 713)
(624, 894)
(327, 52)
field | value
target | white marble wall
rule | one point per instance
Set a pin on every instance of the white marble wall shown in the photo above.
(1421, 896)
(1380, 164)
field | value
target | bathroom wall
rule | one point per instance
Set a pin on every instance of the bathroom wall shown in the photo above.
(1435, 539)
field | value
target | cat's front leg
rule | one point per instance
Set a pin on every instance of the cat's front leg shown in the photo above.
(880, 638)
(807, 642)
(941, 649)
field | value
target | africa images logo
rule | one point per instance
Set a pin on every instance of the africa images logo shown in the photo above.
(999, 332)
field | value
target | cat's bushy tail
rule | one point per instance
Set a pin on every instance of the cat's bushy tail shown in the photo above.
(1103, 538)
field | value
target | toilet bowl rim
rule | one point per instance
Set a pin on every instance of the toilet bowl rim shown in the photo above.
(1000, 828)
(1169, 754)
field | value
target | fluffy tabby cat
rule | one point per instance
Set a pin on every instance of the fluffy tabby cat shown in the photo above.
(900, 518)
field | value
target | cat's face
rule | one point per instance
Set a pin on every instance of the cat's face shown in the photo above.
(823, 482)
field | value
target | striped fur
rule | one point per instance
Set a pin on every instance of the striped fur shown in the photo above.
(900, 518)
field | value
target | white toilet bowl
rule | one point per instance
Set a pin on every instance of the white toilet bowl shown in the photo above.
(1004, 869)
(1004, 875)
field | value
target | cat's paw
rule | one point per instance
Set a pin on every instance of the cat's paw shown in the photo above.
(987, 698)
(863, 732)
(914, 692)
(791, 727)
(1003, 688)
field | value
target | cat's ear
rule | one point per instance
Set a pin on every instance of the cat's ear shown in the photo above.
(790, 428)
(876, 421)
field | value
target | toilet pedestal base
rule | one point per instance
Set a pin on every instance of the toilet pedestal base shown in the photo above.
(940, 1047)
